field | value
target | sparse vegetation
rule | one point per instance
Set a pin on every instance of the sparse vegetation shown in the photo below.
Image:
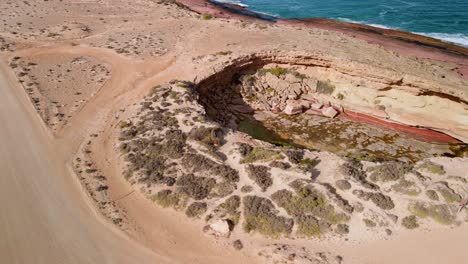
(195, 187)
(390, 171)
(410, 222)
(406, 187)
(343, 185)
(277, 71)
(440, 213)
(295, 156)
(206, 16)
(260, 175)
(261, 155)
(310, 226)
(325, 87)
(432, 195)
(354, 169)
(166, 198)
(237, 244)
(381, 200)
(260, 217)
(280, 165)
(433, 168)
(369, 223)
(449, 195)
(307, 200)
(229, 209)
(196, 209)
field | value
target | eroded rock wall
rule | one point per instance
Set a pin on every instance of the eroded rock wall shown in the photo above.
(377, 92)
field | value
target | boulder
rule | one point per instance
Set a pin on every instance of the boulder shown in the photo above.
(293, 108)
(310, 85)
(308, 98)
(316, 106)
(220, 227)
(305, 104)
(296, 88)
(291, 78)
(282, 86)
(329, 112)
(271, 80)
(293, 96)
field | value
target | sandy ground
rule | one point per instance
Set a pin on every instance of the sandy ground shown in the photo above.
(48, 217)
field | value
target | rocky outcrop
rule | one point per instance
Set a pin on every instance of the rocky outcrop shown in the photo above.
(416, 101)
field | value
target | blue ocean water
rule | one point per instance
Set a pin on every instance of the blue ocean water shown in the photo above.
(444, 19)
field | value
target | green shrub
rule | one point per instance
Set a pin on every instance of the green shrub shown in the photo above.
(229, 208)
(432, 167)
(277, 71)
(206, 16)
(307, 201)
(438, 212)
(259, 216)
(261, 155)
(310, 226)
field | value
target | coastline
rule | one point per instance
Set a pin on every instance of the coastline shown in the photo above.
(402, 42)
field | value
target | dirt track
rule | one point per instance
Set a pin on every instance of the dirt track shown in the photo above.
(49, 221)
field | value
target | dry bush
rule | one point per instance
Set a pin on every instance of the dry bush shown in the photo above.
(195, 187)
(294, 155)
(166, 198)
(343, 185)
(381, 200)
(260, 175)
(410, 222)
(196, 209)
(390, 171)
(237, 244)
(354, 169)
(280, 165)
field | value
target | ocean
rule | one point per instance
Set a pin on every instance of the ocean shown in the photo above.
(446, 20)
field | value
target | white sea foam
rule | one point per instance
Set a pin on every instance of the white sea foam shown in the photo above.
(361, 22)
(236, 2)
(456, 38)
